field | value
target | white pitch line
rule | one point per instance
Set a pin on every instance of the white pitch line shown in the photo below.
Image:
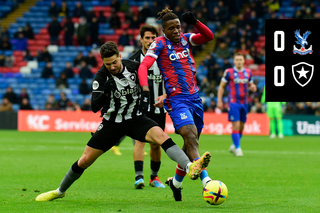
(81, 147)
(272, 152)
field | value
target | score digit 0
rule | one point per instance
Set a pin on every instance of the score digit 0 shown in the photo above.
(276, 47)
(275, 43)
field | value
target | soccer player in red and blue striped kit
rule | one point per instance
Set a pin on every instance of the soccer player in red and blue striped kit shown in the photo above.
(172, 51)
(239, 80)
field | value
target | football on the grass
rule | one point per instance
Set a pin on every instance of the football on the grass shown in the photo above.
(215, 192)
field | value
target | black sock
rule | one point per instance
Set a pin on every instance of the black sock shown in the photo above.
(155, 166)
(167, 144)
(138, 167)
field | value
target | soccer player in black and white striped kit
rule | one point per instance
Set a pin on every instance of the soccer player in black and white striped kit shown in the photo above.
(157, 93)
(117, 92)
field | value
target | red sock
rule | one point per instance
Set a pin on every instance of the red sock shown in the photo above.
(180, 173)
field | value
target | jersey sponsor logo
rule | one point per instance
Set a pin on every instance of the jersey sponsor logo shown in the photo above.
(179, 55)
(125, 92)
(155, 78)
(241, 81)
(95, 85)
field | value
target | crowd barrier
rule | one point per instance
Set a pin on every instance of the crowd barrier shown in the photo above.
(86, 121)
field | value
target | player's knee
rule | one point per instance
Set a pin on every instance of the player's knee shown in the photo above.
(156, 135)
(139, 144)
(84, 162)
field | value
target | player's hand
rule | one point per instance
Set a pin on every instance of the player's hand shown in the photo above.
(189, 18)
(159, 101)
(253, 87)
(144, 102)
(108, 86)
(220, 105)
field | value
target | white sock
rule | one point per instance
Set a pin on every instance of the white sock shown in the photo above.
(187, 167)
(205, 181)
(59, 192)
(176, 183)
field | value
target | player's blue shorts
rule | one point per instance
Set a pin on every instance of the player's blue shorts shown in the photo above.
(184, 110)
(237, 112)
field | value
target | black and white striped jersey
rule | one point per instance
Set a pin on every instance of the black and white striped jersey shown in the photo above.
(155, 81)
(122, 104)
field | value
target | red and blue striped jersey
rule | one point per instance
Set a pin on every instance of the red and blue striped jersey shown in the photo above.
(176, 63)
(237, 84)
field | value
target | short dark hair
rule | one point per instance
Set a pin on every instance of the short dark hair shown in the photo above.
(109, 49)
(148, 28)
(238, 54)
(166, 15)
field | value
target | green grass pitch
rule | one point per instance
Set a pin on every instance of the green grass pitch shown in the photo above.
(275, 175)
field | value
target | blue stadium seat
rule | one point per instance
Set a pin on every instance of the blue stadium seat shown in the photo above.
(15, 107)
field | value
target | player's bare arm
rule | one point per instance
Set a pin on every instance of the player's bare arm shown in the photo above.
(221, 89)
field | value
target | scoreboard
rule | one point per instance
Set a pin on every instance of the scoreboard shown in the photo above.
(292, 60)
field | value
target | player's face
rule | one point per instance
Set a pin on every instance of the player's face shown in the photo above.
(147, 40)
(113, 64)
(238, 61)
(172, 30)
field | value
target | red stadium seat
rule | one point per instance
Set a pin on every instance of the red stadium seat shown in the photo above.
(17, 53)
(15, 69)
(107, 14)
(249, 61)
(94, 70)
(125, 26)
(135, 9)
(120, 48)
(118, 32)
(43, 42)
(75, 70)
(31, 42)
(75, 20)
(35, 48)
(262, 38)
(20, 63)
(262, 67)
(44, 31)
(18, 58)
(97, 8)
(130, 31)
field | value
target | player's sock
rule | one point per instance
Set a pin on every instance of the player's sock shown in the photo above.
(272, 126)
(72, 175)
(175, 153)
(179, 176)
(138, 167)
(204, 177)
(155, 166)
(280, 126)
(240, 133)
(236, 138)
